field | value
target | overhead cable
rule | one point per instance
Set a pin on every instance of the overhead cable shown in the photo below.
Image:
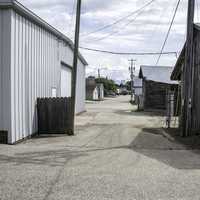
(128, 53)
(168, 32)
(119, 20)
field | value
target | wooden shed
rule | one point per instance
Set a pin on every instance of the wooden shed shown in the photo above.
(178, 74)
(155, 85)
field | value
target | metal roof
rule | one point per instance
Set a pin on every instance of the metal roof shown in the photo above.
(159, 74)
(25, 12)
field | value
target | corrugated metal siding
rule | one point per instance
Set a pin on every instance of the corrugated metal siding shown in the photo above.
(81, 88)
(5, 71)
(36, 68)
(66, 50)
(1, 68)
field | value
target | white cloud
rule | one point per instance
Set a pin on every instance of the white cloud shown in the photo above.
(145, 34)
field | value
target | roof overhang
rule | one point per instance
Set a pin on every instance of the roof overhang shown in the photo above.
(25, 12)
(176, 73)
(142, 75)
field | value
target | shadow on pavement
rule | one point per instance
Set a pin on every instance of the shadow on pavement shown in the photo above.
(150, 142)
(192, 142)
(178, 154)
(138, 113)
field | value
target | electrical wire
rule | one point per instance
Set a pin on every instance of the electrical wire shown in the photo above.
(113, 33)
(119, 20)
(122, 28)
(157, 27)
(128, 53)
(168, 32)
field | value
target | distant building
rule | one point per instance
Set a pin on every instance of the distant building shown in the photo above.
(94, 91)
(100, 88)
(155, 85)
(137, 88)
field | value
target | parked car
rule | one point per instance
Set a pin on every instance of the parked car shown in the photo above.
(124, 92)
(109, 93)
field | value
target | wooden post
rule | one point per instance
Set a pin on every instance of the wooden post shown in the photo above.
(99, 89)
(75, 62)
(188, 70)
(132, 77)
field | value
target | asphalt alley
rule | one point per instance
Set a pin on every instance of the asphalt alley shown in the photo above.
(116, 154)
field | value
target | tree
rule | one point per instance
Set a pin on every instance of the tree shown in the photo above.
(128, 85)
(109, 85)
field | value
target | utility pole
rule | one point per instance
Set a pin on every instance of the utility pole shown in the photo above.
(99, 79)
(188, 72)
(99, 89)
(132, 71)
(75, 62)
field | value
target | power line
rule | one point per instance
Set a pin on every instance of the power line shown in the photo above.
(119, 20)
(168, 32)
(129, 53)
(121, 28)
(164, 11)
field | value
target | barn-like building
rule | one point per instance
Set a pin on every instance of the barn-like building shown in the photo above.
(35, 61)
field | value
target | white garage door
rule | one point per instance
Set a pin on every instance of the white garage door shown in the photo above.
(66, 77)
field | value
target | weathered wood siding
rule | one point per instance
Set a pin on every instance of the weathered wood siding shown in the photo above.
(196, 84)
(154, 95)
(54, 115)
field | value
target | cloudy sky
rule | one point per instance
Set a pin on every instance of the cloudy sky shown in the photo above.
(143, 32)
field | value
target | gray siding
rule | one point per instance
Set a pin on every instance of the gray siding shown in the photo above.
(196, 84)
(5, 102)
(32, 70)
(81, 88)
(1, 68)
(155, 95)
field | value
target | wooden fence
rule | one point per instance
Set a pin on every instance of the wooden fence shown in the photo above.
(54, 115)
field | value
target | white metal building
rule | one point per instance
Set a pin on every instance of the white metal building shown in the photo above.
(35, 61)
